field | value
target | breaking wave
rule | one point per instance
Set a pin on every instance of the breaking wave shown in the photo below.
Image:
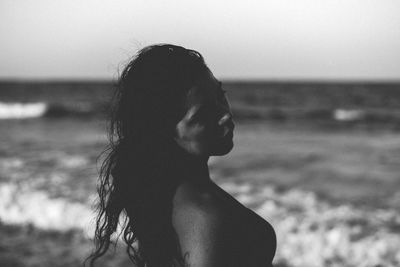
(21, 205)
(310, 232)
(22, 110)
(17, 110)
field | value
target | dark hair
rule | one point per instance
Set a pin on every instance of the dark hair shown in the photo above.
(138, 175)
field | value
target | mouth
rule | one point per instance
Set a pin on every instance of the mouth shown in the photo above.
(229, 135)
(228, 132)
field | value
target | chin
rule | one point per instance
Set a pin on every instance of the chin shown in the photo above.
(222, 148)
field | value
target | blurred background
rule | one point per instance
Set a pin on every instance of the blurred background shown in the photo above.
(315, 93)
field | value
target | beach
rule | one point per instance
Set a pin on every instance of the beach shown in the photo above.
(328, 184)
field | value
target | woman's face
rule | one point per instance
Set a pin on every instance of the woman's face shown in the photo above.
(207, 127)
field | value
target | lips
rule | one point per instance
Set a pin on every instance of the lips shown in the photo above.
(229, 134)
(228, 131)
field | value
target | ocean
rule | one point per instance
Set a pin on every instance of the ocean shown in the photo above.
(319, 161)
(370, 103)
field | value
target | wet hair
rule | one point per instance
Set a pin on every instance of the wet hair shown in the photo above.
(138, 175)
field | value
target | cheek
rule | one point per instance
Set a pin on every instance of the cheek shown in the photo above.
(197, 133)
(200, 135)
(188, 132)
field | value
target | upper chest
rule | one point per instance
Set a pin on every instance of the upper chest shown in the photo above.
(255, 236)
(251, 237)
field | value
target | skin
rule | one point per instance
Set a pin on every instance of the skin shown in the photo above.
(208, 118)
(199, 216)
(206, 129)
(210, 224)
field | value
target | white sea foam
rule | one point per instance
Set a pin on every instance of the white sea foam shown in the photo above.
(347, 114)
(10, 163)
(73, 161)
(18, 205)
(310, 232)
(22, 110)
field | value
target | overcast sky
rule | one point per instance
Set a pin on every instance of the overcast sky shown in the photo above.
(282, 39)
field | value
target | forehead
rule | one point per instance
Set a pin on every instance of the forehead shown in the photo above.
(204, 92)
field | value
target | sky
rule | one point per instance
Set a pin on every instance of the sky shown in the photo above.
(263, 40)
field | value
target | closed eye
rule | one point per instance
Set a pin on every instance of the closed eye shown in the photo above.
(220, 87)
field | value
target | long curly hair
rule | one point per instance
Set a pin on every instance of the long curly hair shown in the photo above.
(139, 174)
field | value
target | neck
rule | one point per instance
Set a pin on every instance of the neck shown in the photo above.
(196, 169)
(193, 168)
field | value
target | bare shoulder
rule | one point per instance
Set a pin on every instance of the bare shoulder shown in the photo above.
(200, 221)
(195, 203)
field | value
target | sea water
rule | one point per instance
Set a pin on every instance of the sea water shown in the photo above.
(330, 193)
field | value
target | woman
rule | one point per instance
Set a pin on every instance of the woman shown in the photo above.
(169, 116)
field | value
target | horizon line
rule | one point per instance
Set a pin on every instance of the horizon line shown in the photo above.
(224, 80)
